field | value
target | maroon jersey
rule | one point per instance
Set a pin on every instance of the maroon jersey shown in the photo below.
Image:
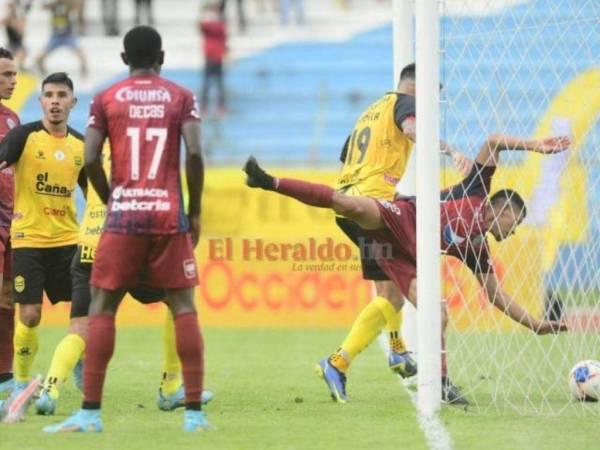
(8, 120)
(142, 117)
(462, 211)
(462, 227)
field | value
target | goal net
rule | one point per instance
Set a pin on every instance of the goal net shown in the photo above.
(531, 69)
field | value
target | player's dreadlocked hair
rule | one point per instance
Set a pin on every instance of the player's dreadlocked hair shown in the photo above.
(6, 54)
(504, 196)
(143, 46)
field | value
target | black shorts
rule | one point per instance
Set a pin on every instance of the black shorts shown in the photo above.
(370, 268)
(81, 271)
(36, 270)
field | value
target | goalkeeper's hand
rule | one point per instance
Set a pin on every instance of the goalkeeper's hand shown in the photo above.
(550, 327)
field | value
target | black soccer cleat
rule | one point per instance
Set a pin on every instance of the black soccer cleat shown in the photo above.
(452, 395)
(256, 176)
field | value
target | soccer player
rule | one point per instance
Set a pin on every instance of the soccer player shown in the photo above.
(144, 117)
(171, 393)
(375, 157)
(69, 352)
(8, 120)
(47, 156)
(467, 215)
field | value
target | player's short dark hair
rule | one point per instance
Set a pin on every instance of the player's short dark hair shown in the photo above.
(142, 45)
(5, 53)
(408, 72)
(58, 78)
(508, 195)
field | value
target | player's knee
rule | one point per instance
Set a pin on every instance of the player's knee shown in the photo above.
(29, 315)
(180, 301)
(79, 326)
(389, 291)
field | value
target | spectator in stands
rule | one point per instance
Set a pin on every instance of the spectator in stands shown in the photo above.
(285, 7)
(79, 6)
(110, 17)
(242, 23)
(146, 6)
(14, 23)
(214, 33)
(62, 34)
(262, 8)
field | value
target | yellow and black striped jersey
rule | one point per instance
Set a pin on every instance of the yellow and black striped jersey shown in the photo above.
(377, 151)
(47, 170)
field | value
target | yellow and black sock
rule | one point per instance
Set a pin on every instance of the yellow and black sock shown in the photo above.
(365, 329)
(171, 379)
(397, 343)
(68, 351)
(26, 347)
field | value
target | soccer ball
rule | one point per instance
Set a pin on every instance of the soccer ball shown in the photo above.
(584, 380)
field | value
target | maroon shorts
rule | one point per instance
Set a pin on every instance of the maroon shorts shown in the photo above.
(166, 261)
(5, 254)
(396, 246)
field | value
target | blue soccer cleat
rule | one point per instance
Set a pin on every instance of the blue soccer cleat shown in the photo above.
(195, 421)
(45, 405)
(207, 396)
(18, 388)
(402, 363)
(177, 400)
(18, 391)
(16, 405)
(78, 375)
(83, 421)
(335, 380)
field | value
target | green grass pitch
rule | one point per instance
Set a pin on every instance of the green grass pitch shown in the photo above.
(267, 397)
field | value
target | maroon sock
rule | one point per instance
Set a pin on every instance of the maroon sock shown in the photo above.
(7, 330)
(190, 348)
(444, 359)
(312, 194)
(99, 348)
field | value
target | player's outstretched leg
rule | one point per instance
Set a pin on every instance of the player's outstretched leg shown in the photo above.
(312, 194)
(257, 177)
(362, 210)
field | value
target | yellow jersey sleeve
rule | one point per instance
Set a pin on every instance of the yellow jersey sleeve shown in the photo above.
(47, 171)
(94, 215)
(377, 151)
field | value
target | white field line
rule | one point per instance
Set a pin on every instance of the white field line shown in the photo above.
(436, 435)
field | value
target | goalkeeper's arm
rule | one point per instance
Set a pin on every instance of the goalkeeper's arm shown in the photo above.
(512, 309)
(489, 152)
